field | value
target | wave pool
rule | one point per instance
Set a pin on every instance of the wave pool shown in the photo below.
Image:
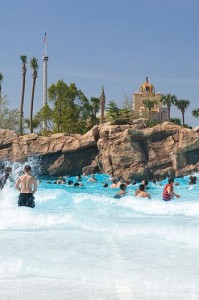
(81, 243)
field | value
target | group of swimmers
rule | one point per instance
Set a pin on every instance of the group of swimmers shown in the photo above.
(27, 186)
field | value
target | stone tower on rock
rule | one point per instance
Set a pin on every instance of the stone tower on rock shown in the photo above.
(147, 92)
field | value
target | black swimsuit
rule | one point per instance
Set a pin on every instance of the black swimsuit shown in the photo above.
(26, 199)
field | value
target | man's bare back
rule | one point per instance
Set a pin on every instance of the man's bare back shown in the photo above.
(24, 184)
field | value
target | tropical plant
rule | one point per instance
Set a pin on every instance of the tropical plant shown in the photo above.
(34, 66)
(149, 105)
(176, 121)
(182, 105)
(24, 69)
(102, 105)
(168, 100)
(1, 80)
(195, 113)
(95, 106)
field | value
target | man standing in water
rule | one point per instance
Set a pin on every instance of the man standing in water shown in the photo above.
(24, 185)
(168, 192)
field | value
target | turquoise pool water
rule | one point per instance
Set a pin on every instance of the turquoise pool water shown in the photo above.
(81, 243)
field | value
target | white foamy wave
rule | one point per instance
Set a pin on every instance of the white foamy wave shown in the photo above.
(159, 207)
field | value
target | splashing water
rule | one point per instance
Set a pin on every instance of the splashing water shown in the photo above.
(81, 243)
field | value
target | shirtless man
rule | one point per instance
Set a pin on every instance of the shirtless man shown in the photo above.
(24, 185)
(141, 192)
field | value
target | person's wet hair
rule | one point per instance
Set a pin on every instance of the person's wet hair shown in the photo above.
(141, 187)
(27, 168)
(114, 180)
(123, 186)
(76, 184)
(105, 185)
(7, 169)
(171, 180)
(70, 182)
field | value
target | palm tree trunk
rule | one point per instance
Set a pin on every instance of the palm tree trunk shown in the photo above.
(31, 106)
(168, 112)
(183, 119)
(22, 104)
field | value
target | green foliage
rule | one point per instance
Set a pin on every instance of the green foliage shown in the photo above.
(113, 112)
(95, 106)
(168, 100)
(149, 105)
(9, 118)
(182, 105)
(72, 112)
(152, 123)
(195, 113)
(44, 120)
(176, 121)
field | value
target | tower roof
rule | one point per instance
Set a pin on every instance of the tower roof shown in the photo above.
(147, 87)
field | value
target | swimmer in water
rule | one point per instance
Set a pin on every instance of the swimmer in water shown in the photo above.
(24, 185)
(168, 192)
(141, 192)
(5, 176)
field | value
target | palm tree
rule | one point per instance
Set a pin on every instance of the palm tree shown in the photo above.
(24, 69)
(182, 105)
(168, 100)
(1, 80)
(195, 113)
(95, 103)
(149, 104)
(102, 105)
(34, 66)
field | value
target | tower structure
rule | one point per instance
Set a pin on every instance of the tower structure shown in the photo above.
(45, 73)
(147, 92)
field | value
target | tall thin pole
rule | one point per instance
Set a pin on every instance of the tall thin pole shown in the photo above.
(45, 78)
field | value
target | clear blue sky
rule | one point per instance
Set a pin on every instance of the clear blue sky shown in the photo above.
(108, 42)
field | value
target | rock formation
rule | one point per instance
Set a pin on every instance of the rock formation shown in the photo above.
(164, 150)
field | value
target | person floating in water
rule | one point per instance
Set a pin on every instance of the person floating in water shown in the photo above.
(168, 192)
(122, 191)
(141, 192)
(5, 176)
(92, 178)
(192, 180)
(24, 184)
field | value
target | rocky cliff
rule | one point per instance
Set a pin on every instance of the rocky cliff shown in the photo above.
(163, 150)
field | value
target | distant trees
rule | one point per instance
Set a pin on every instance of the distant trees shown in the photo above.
(113, 112)
(182, 105)
(176, 121)
(149, 105)
(34, 66)
(24, 69)
(72, 112)
(168, 100)
(95, 107)
(195, 113)
(9, 118)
